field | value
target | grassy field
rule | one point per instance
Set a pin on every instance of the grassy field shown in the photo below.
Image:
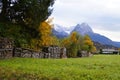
(98, 67)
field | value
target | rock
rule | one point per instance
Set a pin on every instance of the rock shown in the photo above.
(6, 47)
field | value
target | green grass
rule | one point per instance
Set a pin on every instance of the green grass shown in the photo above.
(98, 67)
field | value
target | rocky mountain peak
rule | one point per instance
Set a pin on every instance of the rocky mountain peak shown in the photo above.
(84, 24)
(83, 28)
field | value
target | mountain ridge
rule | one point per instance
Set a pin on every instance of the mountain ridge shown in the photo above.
(85, 29)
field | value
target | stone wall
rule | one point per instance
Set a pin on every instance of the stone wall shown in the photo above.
(84, 54)
(27, 53)
(6, 48)
(6, 53)
(47, 52)
(54, 52)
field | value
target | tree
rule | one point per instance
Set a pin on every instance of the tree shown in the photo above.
(45, 32)
(76, 43)
(46, 37)
(88, 44)
(26, 12)
(23, 17)
(72, 43)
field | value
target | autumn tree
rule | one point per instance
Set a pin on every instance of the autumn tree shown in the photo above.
(88, 44)
(76, 43)
(45, 32)
(46, 37)
(72, 43)
(65, 42)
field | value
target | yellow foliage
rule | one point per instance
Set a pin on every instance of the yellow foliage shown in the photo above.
(46, 38)
(93, 49)
(45, 29)
(73, 37)
(88, 41)
(65, 42)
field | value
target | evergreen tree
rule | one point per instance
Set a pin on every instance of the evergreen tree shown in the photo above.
(24, 18)
(26, 12)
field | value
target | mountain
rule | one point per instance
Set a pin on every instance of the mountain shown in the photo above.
(84, 28)
(60, 28)
(59, 31)
(117, 44)
(104, 46)
(103, 40)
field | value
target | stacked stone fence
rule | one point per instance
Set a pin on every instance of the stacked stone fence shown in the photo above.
(47, 52)
(6, 48)
(54, 52)
(84, 54)
(27, 53)
(6, 53)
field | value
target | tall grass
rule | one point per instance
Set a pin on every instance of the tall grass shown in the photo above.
(99, 67)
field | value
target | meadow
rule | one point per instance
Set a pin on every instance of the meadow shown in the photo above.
(97, 67)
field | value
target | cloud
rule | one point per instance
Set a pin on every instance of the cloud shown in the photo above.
(100, 14)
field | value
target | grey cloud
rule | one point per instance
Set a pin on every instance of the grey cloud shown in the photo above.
(100, 14)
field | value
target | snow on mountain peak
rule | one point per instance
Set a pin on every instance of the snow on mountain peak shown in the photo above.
(60, 28)
(82, 28)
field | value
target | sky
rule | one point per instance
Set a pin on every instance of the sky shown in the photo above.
(102, 15)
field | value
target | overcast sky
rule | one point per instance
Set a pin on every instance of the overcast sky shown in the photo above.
(102, 15)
